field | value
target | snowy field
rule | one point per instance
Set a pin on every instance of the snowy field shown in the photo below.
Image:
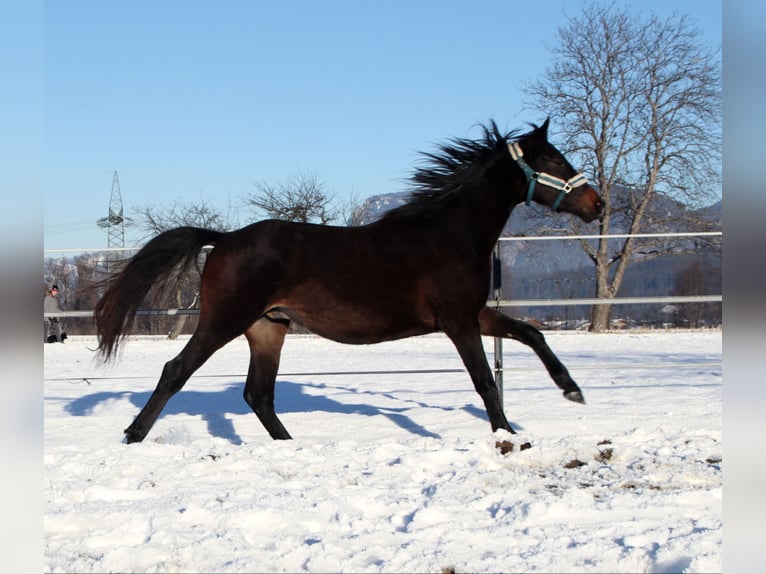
(389, 472)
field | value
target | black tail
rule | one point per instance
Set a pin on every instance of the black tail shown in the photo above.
(153, 264)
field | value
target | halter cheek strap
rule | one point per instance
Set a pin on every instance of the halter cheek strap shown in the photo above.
(534, 177)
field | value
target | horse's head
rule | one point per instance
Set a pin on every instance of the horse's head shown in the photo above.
(551, 179)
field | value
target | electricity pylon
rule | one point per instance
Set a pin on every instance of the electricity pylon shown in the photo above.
(114, 224)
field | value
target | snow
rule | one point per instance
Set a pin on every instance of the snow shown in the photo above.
(389, 472)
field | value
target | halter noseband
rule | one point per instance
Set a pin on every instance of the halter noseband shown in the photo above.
(545, 178)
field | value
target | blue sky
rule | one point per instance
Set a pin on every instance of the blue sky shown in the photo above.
(193, 100)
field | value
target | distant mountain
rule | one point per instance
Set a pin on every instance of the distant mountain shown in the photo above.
(712, 213)
(375, 206)
(532, 220)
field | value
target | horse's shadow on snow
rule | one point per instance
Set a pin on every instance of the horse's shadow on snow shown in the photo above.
(214, 407)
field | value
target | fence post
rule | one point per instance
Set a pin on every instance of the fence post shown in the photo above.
(497, 294)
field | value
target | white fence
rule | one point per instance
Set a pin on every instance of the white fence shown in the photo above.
(668, 299)
(496, 300)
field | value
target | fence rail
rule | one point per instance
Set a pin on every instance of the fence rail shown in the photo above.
(668, 299)
(525, 369)
(143, 312)
(508, 238)
(494, 302)
(614, 236)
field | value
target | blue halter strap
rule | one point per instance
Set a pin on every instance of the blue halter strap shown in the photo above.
(534, 177)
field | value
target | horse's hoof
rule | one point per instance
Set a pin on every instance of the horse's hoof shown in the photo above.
(131, 437)
(506, 446)
(575, 397)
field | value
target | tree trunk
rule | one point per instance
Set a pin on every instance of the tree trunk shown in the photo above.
(599, 315)
(178, 327)
(599, 318)
(180, 322)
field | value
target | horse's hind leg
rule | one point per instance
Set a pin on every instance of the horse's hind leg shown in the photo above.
(265, 338)
(495, 324)
(174, 375)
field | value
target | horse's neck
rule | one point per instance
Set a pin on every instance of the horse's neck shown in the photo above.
(484, 215)
(493, 200)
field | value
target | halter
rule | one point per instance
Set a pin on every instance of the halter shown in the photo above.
(544, 178)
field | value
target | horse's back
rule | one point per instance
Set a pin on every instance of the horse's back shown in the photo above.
(350, 284)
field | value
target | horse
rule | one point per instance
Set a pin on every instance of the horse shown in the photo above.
(422, 267)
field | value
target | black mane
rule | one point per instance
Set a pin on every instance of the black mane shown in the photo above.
(455, 166)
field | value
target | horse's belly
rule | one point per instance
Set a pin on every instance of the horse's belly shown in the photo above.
(368, 337)
(362, 327)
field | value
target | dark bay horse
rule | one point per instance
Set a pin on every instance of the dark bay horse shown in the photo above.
(421, 268)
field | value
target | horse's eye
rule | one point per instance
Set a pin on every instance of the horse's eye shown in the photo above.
(554, 160)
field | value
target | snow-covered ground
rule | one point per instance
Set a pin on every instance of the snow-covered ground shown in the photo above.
(389, 472)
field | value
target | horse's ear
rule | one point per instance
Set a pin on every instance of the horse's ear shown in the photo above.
(539, 135)
(543, 129)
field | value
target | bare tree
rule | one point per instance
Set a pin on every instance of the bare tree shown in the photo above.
(355, 212)
(301, 197)
(155, 220)
(638, 100)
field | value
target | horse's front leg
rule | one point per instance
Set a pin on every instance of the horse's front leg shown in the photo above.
(467, 341)
(495, 324)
